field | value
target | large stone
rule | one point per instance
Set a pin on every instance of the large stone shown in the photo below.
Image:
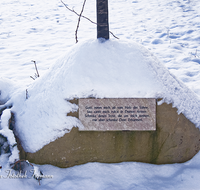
(175, 140)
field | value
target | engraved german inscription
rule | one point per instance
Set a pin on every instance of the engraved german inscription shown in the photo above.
(118, 114)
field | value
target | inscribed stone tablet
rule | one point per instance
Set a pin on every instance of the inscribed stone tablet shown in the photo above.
(118, 114)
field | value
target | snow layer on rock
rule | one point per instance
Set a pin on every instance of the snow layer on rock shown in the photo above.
(4, 127)
(6, 89)
(113, 69)
(6, 132)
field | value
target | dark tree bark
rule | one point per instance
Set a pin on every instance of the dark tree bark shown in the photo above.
(102, 19)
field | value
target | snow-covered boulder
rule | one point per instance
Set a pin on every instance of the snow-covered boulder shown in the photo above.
(114, 69)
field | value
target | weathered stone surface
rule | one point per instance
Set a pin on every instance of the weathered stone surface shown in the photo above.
(175, 140)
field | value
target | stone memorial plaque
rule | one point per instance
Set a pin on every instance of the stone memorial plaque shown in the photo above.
(118, 114)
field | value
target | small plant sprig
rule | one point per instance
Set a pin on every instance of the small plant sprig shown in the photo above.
(37, 73)
(27, 96)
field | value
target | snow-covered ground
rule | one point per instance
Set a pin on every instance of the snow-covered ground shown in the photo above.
(43, 31)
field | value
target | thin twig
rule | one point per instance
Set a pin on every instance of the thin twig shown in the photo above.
(36, 68)
(79, 21)
(114, 35)
(84, 17)
(69, 8)
(26, 94)
(32, 77)
(77, 13)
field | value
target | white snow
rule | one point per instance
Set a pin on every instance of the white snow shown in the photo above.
(44, 30)
(6, 132)
(6, 115)
(6, 89)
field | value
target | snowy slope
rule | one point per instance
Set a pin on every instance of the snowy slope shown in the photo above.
(43, 31)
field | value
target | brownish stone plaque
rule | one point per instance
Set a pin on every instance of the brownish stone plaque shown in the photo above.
(118, 114)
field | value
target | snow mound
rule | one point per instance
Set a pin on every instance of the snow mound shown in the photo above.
(93, 69)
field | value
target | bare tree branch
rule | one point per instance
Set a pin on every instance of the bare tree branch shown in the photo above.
(69, 8)
(80, 15)
(114, 35)
(79, 21)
